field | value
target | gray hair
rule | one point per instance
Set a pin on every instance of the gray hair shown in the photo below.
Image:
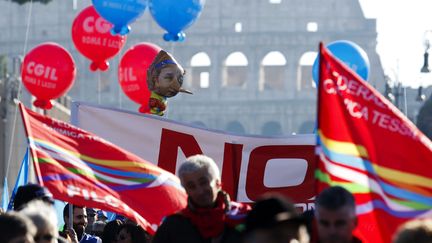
(14, 224)
(198, 162)
(42, 215)
(418, 230)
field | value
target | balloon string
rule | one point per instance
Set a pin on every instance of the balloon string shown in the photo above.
(172, 48)
(99, 86)
(118, 58)
(29, 15)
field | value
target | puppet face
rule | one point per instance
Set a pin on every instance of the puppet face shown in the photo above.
(169, 81)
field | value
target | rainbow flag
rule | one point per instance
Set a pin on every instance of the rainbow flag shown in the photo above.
(366, 145)
(83, 169)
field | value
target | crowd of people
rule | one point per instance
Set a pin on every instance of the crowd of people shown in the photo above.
(209, 217)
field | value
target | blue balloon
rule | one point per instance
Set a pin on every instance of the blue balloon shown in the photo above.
(349, 53)
(174, 16)
(120, 13)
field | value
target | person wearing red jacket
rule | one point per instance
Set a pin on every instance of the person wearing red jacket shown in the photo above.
(210, 215)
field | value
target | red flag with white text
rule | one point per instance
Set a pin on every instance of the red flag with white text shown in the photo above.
(370, 148)
(83, 169)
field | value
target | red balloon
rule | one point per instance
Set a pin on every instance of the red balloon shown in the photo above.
(48, 71)
(132, 73)
(91, 36)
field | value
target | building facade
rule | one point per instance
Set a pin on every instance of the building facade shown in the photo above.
(248, 62)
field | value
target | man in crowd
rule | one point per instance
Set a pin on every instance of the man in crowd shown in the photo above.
(79, 223)
(98, 228)
(335, 216)
(273, 219)
(31, 192)
(210, 215)
(91, 218)
(44, 217)
(16, 228)
(417, 231)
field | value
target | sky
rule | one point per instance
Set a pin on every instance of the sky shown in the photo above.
(401, 27)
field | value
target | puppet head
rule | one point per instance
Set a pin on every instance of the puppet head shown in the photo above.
(165, 75)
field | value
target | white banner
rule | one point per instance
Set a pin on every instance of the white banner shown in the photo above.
(250, 165)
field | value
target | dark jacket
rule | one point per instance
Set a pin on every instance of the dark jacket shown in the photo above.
(177, 228)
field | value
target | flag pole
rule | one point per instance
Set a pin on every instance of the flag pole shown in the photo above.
(319, 83)
(29, 136)
(317, 123)
(22, 178)
(70, 221)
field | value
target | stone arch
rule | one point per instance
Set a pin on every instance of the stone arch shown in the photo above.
(271, 128)
(307, 127)
(235, 70)
(235, 127)
(272, 71)
(200, 64)
(304, 71)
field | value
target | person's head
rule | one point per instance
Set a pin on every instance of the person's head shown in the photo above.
(132, 233)
(274, 219)
(44, 217)
(98, 228)
(31, 192)
(79, 218)
(165, 75)
(335, 215)
(16, 228)
(417, 231)
(109, 233)
(92, 215)
(200, 177)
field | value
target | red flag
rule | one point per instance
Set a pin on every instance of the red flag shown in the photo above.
(83, 169)
(369, 147)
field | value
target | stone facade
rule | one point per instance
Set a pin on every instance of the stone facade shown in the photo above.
(266, 28)
(247, 97)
